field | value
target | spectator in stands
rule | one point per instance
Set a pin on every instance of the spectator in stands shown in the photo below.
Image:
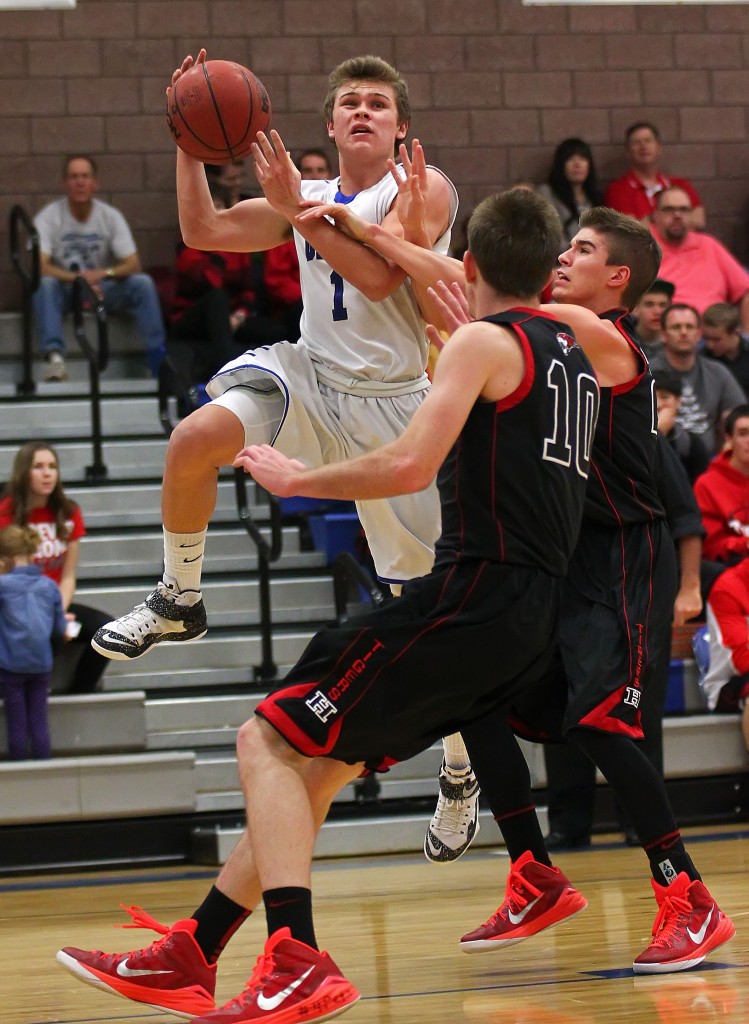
(649, 313)
(572, 185)
(571, 775)
(636, 191)
(81, 235)
(215, 310)
(708, 390)
(231, 177)
(724, 341)
(314, 165)
(35, 497)
(31, 616)
(689, 447)
(701, 269)
(281, 264)
(726, 681)
(722, 493)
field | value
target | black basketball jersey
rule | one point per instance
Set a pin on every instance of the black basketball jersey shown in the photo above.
(513, 486)
(622, 487)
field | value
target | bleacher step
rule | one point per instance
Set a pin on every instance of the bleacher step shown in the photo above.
(86, 788)
(93, 722)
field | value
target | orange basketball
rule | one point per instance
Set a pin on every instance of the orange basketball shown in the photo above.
(215, 110)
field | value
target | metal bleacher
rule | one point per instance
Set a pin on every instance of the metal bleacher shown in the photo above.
(153, 752)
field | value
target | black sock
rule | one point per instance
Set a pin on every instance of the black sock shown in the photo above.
(290, 907)
(668, 858)
(642, 793)
(521, 832)
(500, 766)
(218, 918)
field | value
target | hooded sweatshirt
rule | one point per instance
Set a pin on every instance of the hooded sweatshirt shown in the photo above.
(723, 497)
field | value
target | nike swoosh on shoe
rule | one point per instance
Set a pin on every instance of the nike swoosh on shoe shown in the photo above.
(519, 918)
(273, 1002)
(130, 972)
(698, 937)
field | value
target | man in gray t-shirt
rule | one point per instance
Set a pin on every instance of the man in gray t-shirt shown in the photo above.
(708, 390)
(80, 235)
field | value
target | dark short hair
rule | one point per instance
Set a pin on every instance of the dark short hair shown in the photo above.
(667, 380)
(637, 126)
(220, 192)
(675, 307)
(313, 151)
(723, 315)
(737, 413)
(660, 287)
(629, 244)
(79, 156)
(514, 238)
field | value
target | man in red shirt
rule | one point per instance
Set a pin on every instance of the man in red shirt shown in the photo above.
(702, 270)
(636, 191)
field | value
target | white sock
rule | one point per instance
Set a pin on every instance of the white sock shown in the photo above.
(183, 563)
(456, 755)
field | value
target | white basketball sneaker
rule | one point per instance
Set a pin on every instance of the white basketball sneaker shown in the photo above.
(163, 616)
(455, 820)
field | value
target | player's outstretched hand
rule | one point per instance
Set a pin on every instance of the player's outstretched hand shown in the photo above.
(272, 470)
(186, 64)
(345, 219)
(277, 174)
(453, 306)
(412, 192)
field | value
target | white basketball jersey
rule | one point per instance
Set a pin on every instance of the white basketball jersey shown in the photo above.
(340, 327)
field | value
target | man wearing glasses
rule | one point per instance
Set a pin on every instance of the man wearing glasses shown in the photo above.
(701, 269)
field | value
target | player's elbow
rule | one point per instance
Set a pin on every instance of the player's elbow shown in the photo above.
(412, 474)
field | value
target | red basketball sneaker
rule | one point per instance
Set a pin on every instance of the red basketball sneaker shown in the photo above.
(536, 898)
(688, 925)
(291, 983)
(171, 974)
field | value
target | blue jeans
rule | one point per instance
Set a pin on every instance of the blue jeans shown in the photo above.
(135, 294)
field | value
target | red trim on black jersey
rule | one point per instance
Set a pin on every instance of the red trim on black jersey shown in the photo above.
(599, 717)
(621, 389)
(533, 312)
(290, 730)
(521, 391)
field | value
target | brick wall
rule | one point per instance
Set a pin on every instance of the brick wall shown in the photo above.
(494, 87)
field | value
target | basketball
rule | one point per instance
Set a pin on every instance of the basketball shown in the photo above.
(215, 109)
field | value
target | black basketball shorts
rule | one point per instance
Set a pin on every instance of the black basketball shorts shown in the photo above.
(384, 686)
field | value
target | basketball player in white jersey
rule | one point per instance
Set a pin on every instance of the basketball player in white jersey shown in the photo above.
(352, 382)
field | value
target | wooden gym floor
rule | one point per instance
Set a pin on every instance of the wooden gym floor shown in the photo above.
(392, 925)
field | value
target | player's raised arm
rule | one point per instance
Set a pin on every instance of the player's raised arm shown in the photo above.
(612, 357)
(480, 360)
(251, 225)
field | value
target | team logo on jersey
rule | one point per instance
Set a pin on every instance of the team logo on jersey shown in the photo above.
(632, 696)
(566, 342)
(319, 705)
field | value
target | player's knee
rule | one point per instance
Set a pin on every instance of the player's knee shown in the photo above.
(209, 436)
(258, 744)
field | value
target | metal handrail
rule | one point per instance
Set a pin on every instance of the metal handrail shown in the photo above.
(30, 283)
(345, 570)
(266, 555)
(97, 359)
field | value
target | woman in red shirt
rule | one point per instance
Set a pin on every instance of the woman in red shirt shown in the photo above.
(35, 497)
